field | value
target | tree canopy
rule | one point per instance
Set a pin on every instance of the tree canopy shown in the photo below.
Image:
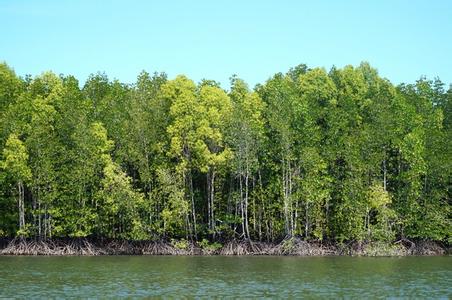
(324, 155)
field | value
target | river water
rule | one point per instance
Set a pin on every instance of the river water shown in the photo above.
(233, 277)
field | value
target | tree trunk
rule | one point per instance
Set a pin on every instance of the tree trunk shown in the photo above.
(21, 205)
(242, 209)
(286, 198)
(367, 222)
(247, 230)
(39, 216)
(306, 225)
(384, 174)
(254, 207)
(50, 226)
(212, 198)
(296, 218)
(208, 200)
(289, 178)
(192, 199)
(261, 208)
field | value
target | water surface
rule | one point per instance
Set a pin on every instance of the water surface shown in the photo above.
(187, 276)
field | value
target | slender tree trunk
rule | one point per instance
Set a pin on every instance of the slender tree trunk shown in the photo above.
(235, 202)
(296, 217)
(192, 198)
(208, 200)
(45, 223)
(21, 205)
(39, 216)
(384, 173)
(290, 198)
(242, 209)
(261, 208)
(150, 202)
(212, 198)
(286, 198)
(306, 225)
(247, 230)
(254, 208)
(368, 221)
(327, 213)
(230, 193)
(187, 224)
(50, 226)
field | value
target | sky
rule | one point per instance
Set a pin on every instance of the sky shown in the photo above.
(216, 39)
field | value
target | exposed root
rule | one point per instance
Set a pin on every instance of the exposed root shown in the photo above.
(21, 246)
(289, 246)
(236, 247)
(428, 248)
(299, 247)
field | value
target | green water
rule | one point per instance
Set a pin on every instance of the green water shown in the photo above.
(243, 277)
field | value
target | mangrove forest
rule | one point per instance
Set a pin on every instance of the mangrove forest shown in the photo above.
(340, 155)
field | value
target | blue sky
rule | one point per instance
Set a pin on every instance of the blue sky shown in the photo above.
(215, 39)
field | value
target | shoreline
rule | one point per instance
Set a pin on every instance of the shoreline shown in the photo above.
(287, 247)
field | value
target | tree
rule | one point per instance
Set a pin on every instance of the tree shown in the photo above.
(317, 94)
(10, 89)
(15, 164)
(215, 106)
(377, 208)
(118, 204)
(186, 146)
(245, 137)
(279, 94)
(146, 140)
(175, 212)
(198, 118)
(347, 164)
(43, 145)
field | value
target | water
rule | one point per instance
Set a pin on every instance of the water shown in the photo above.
(242, 277)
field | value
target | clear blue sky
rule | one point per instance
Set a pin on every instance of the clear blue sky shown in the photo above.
(215, 39)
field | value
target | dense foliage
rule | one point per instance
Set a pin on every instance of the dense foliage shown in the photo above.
(339, 155)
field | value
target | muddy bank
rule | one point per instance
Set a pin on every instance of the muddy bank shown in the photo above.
(292, 246)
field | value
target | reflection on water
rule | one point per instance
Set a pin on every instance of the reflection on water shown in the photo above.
(135, 276)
